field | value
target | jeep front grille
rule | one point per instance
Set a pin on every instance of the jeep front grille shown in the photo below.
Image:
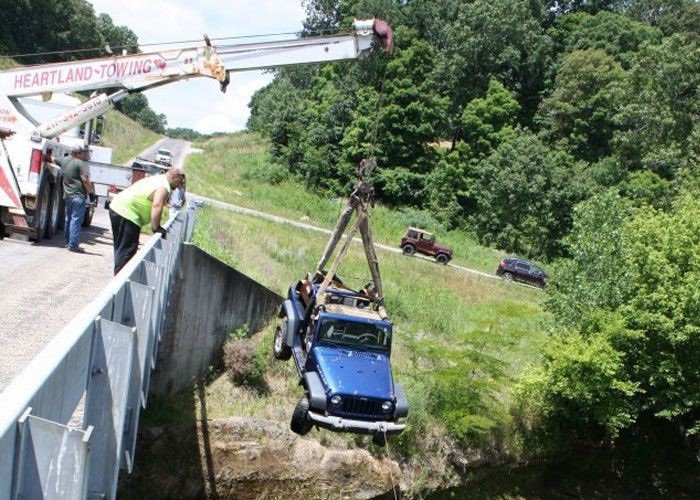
(361, 407)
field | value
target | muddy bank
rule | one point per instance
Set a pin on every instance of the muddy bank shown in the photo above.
(247, 459)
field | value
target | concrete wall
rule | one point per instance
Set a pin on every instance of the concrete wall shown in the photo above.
(210, 300)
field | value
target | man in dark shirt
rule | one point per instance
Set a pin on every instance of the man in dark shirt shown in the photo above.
(76, 188)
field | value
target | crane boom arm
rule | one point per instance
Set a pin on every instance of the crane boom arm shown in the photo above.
(147, 70)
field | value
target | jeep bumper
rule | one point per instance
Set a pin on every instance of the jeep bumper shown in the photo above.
(357, 426)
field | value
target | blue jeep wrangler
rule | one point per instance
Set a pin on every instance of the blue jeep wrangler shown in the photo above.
(341, 351)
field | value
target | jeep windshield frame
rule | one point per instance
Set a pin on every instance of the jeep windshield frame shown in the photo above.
(344, 331)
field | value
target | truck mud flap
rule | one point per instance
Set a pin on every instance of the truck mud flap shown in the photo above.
(401, 402)
(317, 394)
(287, 310)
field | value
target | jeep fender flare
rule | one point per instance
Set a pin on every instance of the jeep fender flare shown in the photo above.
(317, 394)
(287, 311)
(401, 402)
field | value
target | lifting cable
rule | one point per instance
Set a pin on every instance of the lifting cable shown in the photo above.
(178, 42)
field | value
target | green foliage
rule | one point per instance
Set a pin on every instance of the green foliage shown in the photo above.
(34, 26)
(616, 35)
(596, 276)
(119, 38)
(579, 115)
(527, 192)
(660, 107)
(639, 325)
(488, 121)
(582, 390)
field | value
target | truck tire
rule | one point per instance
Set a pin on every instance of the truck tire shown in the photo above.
(409, 249)
(300, 418)
(40, 220)
(279, 348)
(89, 212)
(55, 211)
(442, 259)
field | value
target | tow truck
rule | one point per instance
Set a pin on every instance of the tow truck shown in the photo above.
(30, 184)
(340, 339)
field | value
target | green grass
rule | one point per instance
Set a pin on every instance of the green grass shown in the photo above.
(126, 137)
(237, 169)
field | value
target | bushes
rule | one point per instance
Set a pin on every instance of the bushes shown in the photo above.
(246, 359)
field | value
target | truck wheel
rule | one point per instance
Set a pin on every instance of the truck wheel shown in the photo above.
(409, 249)
(441, 258)
(55, 210)
(379, 439)
(279, 348)
(89, 212)
(40, 220)
(300, 418)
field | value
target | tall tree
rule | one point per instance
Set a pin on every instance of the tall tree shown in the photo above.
(579, 115)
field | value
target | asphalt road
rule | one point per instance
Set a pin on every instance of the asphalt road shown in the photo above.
(44, 285)
(178, 149)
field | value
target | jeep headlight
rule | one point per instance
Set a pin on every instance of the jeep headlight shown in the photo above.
(336, 400)
(386, 405)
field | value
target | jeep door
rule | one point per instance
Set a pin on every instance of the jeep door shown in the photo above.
(425, 244)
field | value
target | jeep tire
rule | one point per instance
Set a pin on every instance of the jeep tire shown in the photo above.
(507, 277)
(279, 347)
(379, 439)
(300, 418)
(409, 249)
(442, 259)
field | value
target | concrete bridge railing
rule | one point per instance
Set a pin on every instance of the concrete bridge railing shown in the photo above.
(68, 422)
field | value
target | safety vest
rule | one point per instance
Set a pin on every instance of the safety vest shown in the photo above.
(135, 202)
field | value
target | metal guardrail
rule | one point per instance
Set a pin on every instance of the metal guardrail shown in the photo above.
(68, 422)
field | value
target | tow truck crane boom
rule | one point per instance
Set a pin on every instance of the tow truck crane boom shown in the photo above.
(21, 165)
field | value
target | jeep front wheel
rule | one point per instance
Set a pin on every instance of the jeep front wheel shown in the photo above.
(300, 418)
(279, 348)
(441, 258)
(409, 249)
(379, 439)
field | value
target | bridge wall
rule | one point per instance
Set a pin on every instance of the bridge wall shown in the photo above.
(209, 301)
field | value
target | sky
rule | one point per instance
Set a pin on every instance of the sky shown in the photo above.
(198, 103)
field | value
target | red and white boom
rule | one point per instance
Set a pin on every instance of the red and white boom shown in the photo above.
(133, 73)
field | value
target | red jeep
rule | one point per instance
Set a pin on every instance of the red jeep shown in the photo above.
(418, 240)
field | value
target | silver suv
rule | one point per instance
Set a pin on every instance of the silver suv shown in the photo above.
(164, 157)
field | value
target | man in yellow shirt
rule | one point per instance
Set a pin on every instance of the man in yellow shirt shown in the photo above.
(136, 206)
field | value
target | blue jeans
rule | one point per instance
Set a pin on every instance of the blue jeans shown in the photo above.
(75, 212)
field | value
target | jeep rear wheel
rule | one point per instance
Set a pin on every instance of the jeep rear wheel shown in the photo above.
(409, 249)
(441, 258)
(279, 348)
(300, 418)
(507, 277)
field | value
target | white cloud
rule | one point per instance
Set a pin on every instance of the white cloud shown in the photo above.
(198, 103)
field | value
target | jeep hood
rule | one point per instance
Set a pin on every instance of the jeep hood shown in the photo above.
(350, 371)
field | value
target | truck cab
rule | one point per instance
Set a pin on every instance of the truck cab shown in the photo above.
(342, 351)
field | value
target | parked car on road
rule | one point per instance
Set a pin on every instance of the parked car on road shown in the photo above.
(515, 269)
(418, 240)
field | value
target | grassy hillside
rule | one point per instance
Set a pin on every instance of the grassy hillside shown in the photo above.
(237, 170)
(126, 137)
(460, 339)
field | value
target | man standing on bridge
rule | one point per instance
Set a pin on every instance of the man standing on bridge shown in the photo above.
(135, 207)
(76, 188)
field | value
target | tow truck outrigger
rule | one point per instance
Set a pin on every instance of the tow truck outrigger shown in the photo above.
(341, 339)
(30, 186)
